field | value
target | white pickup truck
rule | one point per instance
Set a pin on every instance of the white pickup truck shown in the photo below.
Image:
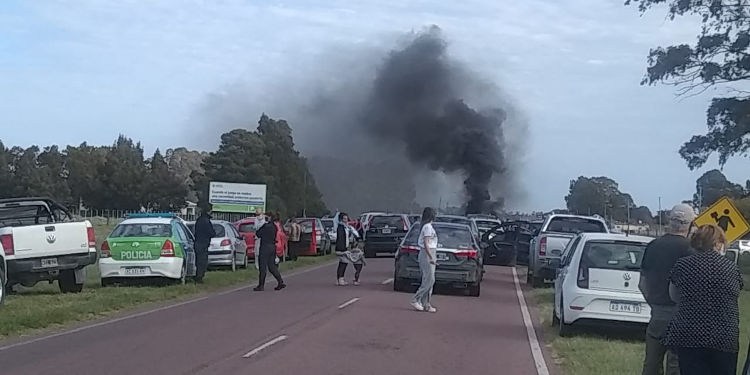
(40, 241)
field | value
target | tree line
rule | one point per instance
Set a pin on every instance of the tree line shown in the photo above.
(602, 196)
(121, 177)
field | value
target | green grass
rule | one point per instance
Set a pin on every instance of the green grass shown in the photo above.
(44, 307)
(613, 353)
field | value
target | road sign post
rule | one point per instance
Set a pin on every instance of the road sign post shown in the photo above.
(724, 214)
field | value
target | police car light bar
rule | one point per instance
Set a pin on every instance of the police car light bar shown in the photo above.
(167, 215)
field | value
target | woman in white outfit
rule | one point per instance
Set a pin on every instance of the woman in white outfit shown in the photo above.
(428, 242)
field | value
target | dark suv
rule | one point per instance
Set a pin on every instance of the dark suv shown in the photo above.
(384, 234)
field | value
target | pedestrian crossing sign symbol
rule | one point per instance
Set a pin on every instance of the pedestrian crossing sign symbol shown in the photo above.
(724, 214)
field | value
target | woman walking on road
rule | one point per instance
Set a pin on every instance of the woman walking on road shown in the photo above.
(427, 244)
(346, 255)
(705, 328)
(266, 257)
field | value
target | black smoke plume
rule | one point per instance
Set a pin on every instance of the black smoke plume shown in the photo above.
(418, 100)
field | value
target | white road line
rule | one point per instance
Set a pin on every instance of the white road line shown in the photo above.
(349, 302)
(264, 346)
(148, 312)
(387, 281)
(536, 350)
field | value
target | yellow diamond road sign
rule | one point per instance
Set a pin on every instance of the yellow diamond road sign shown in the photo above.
(727, 217)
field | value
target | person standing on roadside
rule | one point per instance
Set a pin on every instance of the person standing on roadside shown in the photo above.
(266, 257)
(705, 329)
(428, 241)
(260, 219)
(343, 251)
(658, 259)
(295, 232)
(204, 232)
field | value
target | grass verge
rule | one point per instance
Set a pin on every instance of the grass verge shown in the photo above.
(595, 351)
(44, 307)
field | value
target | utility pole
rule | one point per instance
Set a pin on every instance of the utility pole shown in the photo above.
(658, 233)
(628, 230)
(304, 195)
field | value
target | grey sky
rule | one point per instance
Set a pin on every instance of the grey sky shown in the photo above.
(84, 70)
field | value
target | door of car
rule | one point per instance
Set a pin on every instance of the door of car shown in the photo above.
(565, 267)
(188, 247)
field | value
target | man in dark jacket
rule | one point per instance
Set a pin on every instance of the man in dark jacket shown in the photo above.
(204, 232)
(267, 254)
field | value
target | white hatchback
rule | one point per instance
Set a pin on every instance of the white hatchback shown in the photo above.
(598, 281)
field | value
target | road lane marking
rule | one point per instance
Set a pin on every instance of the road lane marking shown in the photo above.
(264, 346)
(349, 302)
(387, 281)
(149, 312)
(536, 350)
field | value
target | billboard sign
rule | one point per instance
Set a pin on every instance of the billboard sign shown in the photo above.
(234, 197)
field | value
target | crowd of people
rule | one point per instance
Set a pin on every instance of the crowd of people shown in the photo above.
(693, 291)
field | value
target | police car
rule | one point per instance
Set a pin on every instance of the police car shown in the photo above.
(148, 246)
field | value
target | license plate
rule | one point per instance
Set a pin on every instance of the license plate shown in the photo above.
(441, 256)
(134, 271)
(386, 231)
(634, 308)
(50, 262)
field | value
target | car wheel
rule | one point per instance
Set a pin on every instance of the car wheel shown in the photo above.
(563, 329)
(475, 289)
(555, 320)
(106, 281)
(369, 254)
(529, 276)
(183, 273)
(537, 282)
(67, 282)
(244, 262)
(400, 285)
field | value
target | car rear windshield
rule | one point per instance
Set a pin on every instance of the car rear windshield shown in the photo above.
(453, 220)
(306, 225)
(328, 224)
(613, 255)
(575, 225)
(142, 230)
(247, 228)
(448, 237)
(219, 229)
(387, 221)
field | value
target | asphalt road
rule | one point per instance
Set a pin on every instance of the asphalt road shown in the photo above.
(313, 327)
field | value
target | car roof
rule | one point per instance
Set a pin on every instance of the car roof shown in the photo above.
(576, 216)
(615, 236)
(148, 220)
(451, 225)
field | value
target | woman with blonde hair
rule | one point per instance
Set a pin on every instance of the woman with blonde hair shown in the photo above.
(704, 330)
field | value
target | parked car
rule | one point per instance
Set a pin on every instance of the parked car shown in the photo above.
(546, 248)
(328, 224)
(742, 245)
(459, 259)
(314, 239)
(384, 234)
(228, 248)
(365, 221)
(148, 246)
(3, 274)
(507, 243)
(246, 229)
(598, 280)
(43, 242)
(455, 219)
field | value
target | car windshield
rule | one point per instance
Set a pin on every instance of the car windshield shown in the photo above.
(387, 221)
(449, 237)
(575, 225)
(142, 230)
(613, 255)
(191, 227)
(453, 220)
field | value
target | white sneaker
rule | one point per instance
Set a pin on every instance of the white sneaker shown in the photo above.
(417, 306)
(431, 309)
(341, 282)
(356, 283)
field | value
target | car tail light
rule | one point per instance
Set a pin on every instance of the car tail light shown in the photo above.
(583, 277)
(543, 246)
(168, 249)
(7, 241)
(467, 252)
(105, 252)
(225, 242)
(92, 236)
(409, 249)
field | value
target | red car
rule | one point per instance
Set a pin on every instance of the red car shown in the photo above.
(314, 239)
(246, 227)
